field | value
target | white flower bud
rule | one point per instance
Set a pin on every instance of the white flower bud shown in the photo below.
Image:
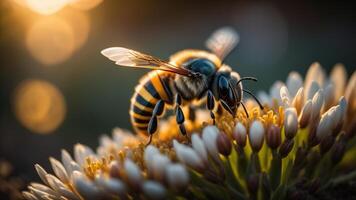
(177, 176)
(338, 77)
(256, 135)
(41, 173)
(188, 156)
(154, 190)
(240, 134)
(350, 93)
(199, 147)
(324, 127)
(112, 185)
(317, 101)
(298, 100)
(275, 91)
(159, 164)
(305, 114)
(210, 134)
(285, 96)
(329, 96)
(315, 74)
(81, 153)
(85, 187)
(133, 172)
(290, 122)
(343, 106)
(294, 82)
(59, 170)
(149, 153)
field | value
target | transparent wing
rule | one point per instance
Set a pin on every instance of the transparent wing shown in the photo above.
(131, 58)
(223, 41)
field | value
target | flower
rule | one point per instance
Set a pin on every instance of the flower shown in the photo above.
(239, 134)
(112, 172)
(302, 134)
(256, 135)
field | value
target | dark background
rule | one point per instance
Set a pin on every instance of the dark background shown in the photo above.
(276, 38)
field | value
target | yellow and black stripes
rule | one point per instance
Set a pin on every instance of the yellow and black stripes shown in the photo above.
(152, 87)
(159, 85)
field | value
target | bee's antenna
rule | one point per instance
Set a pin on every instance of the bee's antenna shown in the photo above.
(250, 93)
(246, 78)
(243, 105)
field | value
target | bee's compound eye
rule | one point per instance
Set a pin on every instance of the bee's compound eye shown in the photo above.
(223, 86)
(202, 66)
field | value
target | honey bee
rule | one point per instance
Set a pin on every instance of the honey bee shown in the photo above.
(187, 78)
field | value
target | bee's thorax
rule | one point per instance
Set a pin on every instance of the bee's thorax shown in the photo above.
(191, 88)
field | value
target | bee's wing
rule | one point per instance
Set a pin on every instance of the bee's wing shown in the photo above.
(131, 58)
(223, 41)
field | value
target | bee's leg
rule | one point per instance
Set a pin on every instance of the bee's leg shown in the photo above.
(152, 125)
(180, 115)
(159, 108)
(227, 107)
(192, 114)
(152, 128)
(210, 103)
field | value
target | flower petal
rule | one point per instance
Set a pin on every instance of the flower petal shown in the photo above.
(59, 170)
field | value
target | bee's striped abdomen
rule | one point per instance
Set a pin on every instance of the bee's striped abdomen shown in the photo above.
(152, 87)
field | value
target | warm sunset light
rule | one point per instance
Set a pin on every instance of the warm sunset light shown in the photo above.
(110, 99)
(46, 7)
(39, 106)
(85, 4)
(51, 40)
(49, 7)
(80, 24)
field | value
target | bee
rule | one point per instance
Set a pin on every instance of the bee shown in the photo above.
(190, 76)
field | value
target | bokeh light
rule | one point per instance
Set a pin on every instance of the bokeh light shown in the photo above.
(20, 2)
(85, 4)
(39, 106)
(80, 25)
(51, 40)
(46, 7)
(49, 7)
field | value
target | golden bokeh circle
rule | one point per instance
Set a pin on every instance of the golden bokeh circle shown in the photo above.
(85, 4)
(80, 24)
(39, 106)
(46, 7)
(51, 40)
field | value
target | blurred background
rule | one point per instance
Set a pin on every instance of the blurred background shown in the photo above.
(57, 89)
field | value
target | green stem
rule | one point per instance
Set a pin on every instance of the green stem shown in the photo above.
(230, 177)
(275, 170)
(241, 162)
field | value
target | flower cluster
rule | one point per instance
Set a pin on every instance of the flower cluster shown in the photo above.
(295, 147)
